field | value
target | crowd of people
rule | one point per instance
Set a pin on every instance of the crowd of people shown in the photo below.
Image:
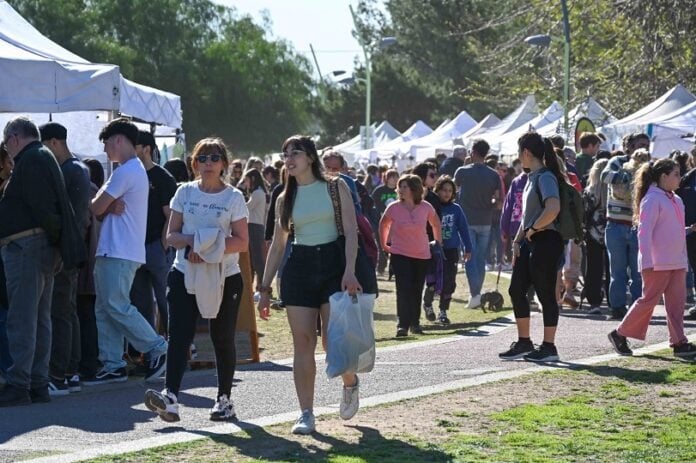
(101, 271)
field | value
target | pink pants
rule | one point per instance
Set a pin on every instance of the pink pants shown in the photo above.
(671, 283)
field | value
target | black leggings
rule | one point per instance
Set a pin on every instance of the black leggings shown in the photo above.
(410, 279)
(183, 318)
(537, 266)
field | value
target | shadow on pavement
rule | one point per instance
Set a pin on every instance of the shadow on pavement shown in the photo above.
(258, 443)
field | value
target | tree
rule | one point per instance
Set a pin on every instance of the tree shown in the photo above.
(233, 81)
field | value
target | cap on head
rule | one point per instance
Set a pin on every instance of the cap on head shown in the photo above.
(53, 130)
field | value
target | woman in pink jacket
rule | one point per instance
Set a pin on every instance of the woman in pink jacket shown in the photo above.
(662, 258)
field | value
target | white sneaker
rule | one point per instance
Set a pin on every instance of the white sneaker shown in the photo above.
(304, 424)
(223, 410)
(163, 403)
(474, 302)
(350, 402)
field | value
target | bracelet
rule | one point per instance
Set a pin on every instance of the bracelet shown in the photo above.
(533, 229)
(264, 289)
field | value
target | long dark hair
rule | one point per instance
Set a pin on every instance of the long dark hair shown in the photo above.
(648, 174)
(256, 180)
(303, 143)
(542, 149)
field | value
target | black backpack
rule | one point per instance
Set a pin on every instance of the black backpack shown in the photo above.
(569, 222)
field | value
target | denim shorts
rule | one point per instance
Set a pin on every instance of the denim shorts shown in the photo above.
(312, 274)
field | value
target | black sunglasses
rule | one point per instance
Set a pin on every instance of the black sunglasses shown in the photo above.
(203, 158)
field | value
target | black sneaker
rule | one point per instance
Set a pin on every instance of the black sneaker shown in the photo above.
(686, 350)
(618, 313)
(543, 353)
(74, 384)
(39, 395)
(429, 313)
(518, 349)
(11, 396)
(620, 343)
(401, 332)
(106, 377)
(158, 365)
(416, 329)
(57, 387)
(443, 318)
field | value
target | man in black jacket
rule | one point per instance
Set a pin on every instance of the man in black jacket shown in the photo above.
(30, 256)
(65, 344)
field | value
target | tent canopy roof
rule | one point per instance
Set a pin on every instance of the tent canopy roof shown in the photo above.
(38, 75)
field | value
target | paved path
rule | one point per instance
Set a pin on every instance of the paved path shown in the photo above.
(105, 417)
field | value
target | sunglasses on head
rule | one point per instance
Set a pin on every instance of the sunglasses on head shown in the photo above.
(203, 158)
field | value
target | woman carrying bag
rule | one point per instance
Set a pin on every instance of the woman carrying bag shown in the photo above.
(314, 269)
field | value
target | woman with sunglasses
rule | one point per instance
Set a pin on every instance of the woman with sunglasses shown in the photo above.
(207, 203)
(314, 270)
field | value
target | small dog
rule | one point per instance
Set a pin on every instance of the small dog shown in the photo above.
(491, 300)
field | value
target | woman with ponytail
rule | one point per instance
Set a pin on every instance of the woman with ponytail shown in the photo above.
(659, 215)
(537, 249)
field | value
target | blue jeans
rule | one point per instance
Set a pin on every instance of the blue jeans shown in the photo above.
(152, 277)
(622, 245)
(30, 264)
(476, 266)
(117, 318)
(5, 359)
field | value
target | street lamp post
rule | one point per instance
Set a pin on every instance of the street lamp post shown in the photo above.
(544, 40)
(367, 52)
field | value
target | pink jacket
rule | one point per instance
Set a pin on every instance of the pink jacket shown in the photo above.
(661, 231)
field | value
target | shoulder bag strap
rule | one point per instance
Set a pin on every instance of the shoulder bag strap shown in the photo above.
(336, 201)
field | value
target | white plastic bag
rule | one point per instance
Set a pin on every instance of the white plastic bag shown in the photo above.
(351, 335)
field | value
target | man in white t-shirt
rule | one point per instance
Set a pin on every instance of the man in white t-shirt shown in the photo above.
(122, 205)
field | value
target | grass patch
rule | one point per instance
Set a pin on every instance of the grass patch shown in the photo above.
(633, 410)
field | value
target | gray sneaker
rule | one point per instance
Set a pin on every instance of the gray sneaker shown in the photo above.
(350, 402)
(304, 424)
(163, 403)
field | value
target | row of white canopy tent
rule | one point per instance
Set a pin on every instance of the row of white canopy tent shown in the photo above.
(670, 121)
(45, 81)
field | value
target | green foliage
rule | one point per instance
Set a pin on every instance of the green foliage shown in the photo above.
(233, 81)
(470, 54)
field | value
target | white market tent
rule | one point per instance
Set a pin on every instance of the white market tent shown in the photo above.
(383, 133)
(673, 131)
(39, 78)
(507, 144)
(674, 99)
(485, 123)
(388, 150)
(524, 113)
(424, 147)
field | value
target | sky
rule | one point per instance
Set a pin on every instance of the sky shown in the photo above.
(326, 24)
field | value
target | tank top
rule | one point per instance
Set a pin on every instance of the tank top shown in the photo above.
(313, 215)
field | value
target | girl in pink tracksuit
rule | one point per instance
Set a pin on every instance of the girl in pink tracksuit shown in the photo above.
(662, 257)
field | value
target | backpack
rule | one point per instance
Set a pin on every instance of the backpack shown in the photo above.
(569, 222)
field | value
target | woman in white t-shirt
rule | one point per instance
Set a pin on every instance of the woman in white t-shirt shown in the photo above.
(256, 203)
(204, 204)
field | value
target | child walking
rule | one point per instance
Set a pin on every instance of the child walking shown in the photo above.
(455, 233)
(662, 258)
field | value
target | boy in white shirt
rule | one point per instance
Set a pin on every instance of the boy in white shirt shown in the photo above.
(122, 204)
